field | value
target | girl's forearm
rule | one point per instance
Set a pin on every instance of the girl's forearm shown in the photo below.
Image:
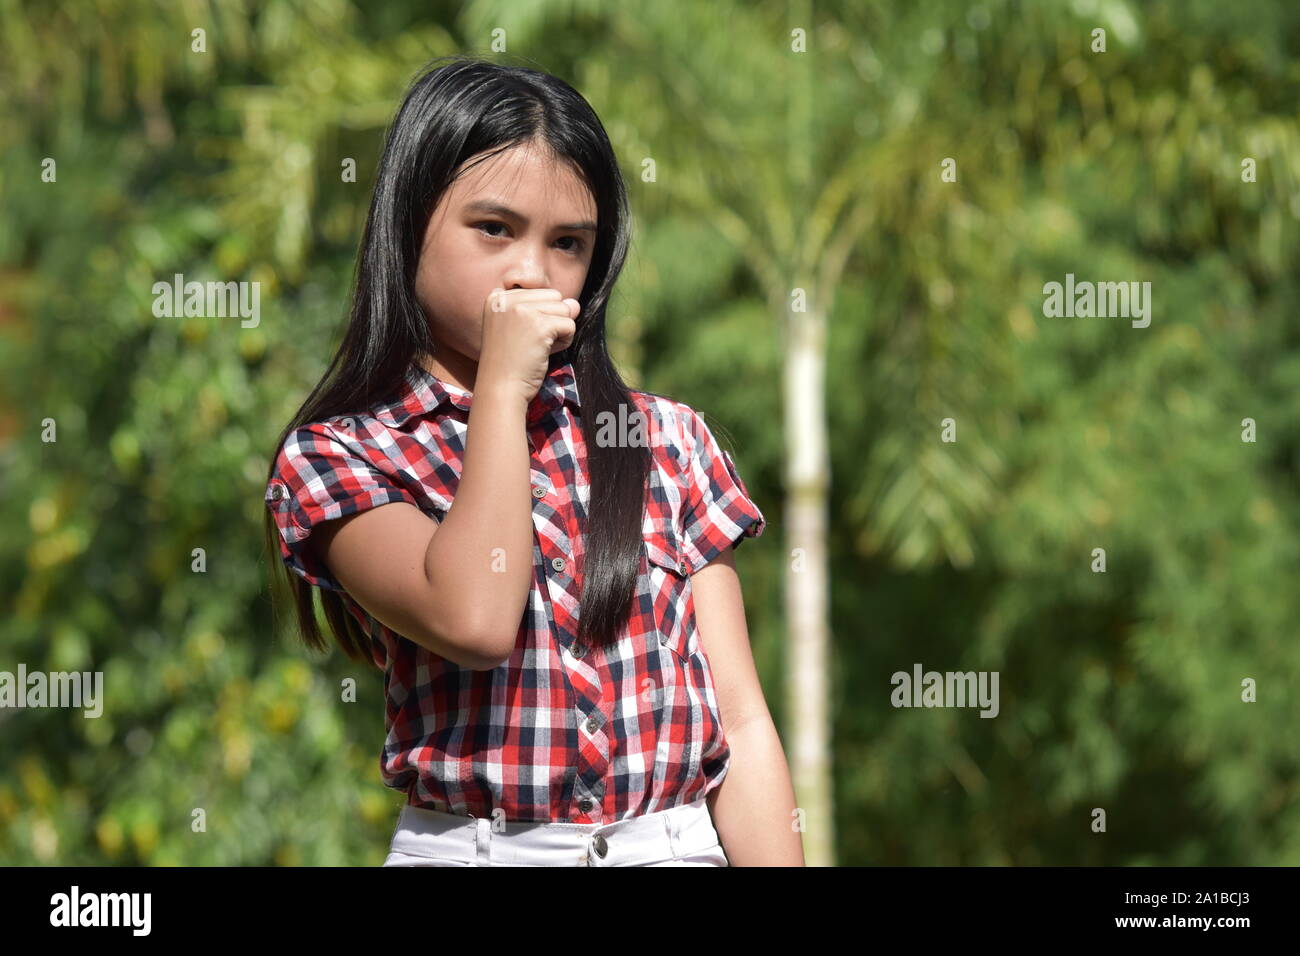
(480, 561)
(753, 809)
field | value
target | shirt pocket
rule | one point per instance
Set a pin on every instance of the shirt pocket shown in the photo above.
(669, 589)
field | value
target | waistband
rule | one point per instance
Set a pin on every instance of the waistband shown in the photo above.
(662, 834)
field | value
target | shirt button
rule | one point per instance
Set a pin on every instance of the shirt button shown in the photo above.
(592, 724)
(579, 650)
(584, 805)
(539, 491)
(557, 563)
(681, 566)
(277, 492)
(599, 845)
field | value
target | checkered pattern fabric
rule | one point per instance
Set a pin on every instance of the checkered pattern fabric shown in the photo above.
(559, 732)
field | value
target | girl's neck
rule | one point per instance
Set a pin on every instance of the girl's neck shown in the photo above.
(452, 368)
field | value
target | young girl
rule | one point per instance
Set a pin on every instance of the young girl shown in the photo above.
(513, 536)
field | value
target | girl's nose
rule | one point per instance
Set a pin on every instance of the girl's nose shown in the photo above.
(526, 276)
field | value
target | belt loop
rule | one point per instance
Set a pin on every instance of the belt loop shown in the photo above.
(483, 841)
(402, 817)
(670, 827)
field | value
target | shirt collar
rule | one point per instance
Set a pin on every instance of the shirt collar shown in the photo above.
(421, 393)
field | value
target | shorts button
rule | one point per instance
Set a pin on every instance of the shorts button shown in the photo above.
(599, 845)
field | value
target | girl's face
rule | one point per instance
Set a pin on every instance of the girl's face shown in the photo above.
(519, 220)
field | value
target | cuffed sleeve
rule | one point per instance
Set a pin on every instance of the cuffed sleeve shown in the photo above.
(322, 473)
(719, 512)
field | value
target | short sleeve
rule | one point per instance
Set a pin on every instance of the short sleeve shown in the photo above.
(718, 511)
(319, 475)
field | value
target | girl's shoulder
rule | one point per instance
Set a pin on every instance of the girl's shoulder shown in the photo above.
(334, 467)
(670, 424)
(358, 433)
(681, 429)
(342, 449)
(720, 510)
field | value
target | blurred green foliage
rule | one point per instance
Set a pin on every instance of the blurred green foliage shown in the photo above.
(1119, 690)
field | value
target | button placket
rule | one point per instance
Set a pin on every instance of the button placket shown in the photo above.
(554, 526)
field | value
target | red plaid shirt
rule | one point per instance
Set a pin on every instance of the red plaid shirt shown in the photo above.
(559, 732)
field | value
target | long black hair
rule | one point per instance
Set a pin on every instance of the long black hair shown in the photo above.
(458, 108)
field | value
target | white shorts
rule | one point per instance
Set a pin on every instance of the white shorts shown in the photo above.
(679, 836)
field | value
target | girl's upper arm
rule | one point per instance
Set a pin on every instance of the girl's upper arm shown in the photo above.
(378, 556)
(345, 525)
(718, 516)
(724, 636)
(321, 474)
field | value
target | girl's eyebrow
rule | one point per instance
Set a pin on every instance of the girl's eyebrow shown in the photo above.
(495, 208)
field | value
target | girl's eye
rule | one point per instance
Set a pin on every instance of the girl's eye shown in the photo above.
(574, 249)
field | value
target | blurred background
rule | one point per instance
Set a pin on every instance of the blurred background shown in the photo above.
(844, 217)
